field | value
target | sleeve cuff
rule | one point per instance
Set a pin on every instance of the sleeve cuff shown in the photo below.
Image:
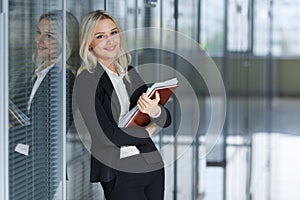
(158, 114)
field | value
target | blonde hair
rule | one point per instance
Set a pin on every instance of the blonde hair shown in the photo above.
(72, 39)
(87, 31)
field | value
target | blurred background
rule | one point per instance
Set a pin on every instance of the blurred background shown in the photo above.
(255, 46)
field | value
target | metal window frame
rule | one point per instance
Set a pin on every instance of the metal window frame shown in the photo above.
(64, 135)
(4, 190)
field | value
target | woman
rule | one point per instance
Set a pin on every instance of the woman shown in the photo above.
(48, 56)
(124, 160)
(44, 106)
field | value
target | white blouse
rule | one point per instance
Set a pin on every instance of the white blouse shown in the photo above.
(120, 88)
(40, 77)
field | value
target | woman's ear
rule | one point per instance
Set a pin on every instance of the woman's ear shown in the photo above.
(91, 47)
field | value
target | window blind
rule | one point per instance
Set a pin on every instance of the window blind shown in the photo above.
(35, 151)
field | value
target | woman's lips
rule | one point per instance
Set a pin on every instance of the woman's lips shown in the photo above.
(110, 48)
(41, 48)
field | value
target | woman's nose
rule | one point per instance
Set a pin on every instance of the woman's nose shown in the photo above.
(39, 39)
(109, 40)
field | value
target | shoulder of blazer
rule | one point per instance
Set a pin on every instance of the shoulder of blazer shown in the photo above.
(98, 80)
(87, 78)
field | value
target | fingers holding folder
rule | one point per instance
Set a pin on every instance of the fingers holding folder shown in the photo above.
(149, 106)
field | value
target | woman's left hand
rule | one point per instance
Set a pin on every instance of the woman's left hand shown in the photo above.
(149, 106)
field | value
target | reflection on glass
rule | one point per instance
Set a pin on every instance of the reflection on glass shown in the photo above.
(36, 167)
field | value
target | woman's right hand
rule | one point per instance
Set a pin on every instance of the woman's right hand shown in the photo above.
(151, 128)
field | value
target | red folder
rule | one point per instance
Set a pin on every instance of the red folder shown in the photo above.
(142, 119)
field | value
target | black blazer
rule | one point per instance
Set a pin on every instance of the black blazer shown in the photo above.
(100, 109)
(47, 99)
(47, 95)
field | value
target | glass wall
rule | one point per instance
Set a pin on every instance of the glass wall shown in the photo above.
(212, 26)
(36, 164)
(43, 150)
(284, 40)
(78, 185)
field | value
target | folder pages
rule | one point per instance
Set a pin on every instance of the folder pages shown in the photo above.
(18, 116)
(135, 117)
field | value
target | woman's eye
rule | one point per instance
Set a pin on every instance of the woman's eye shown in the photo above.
(49, 36)
(38, 32)
(114, 33)
(100, 36)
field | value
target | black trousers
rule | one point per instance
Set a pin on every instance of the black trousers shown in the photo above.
(136, 186)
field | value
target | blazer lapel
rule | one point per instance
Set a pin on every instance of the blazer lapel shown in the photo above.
(107, 86)
(104, 80)
(130, 92)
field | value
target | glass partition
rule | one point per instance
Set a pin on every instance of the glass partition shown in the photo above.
(37, 99)
(78, 185)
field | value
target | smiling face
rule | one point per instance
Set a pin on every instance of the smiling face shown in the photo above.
(46, 39)
(106, 42)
